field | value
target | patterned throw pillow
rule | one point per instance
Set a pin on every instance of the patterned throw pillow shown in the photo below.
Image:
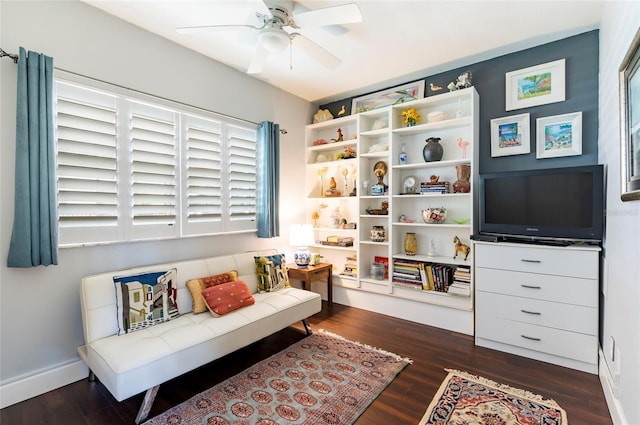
(272, 273)
(145, 299)
(227, 297)
(196, 286)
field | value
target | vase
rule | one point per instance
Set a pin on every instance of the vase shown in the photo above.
(378, 234)
(410, 244)
(334, 219)
(462, 185)
(432, 151)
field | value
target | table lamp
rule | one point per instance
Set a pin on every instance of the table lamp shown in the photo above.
(301, 236)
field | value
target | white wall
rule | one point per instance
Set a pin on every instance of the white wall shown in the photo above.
(39, 308)
(622, 245)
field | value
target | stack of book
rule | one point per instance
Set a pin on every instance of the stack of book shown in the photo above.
(407, 274)
(461, 281)
(438, 276)
(434, 187)
(350, 266)
(338, 241)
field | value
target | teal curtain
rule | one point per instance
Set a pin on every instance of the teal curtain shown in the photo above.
(34, 240)
(268, 179)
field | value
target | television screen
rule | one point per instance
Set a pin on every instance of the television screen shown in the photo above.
(559, 203)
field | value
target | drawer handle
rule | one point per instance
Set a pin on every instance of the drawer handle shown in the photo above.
(530, 338)
(524, 260)
(531, 286)
(531, 312)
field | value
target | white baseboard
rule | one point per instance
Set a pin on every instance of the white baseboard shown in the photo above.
(606, 379)
(40, 383)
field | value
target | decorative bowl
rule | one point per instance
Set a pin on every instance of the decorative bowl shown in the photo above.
(434, 215)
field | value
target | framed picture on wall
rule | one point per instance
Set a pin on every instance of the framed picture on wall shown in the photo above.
(630, 122)
(510, 135)
(560, 135)
(536, 85)
(392, 96)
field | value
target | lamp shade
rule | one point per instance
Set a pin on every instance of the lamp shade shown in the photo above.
(301, 236)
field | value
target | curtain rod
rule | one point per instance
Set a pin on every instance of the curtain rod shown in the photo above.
(15, 60)
(9, 55)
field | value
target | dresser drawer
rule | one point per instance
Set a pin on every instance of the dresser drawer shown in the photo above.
(543, 313)
(548, 260)
(557, 342)
(569, 290)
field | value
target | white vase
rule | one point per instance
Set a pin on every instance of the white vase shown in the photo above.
(334, 219)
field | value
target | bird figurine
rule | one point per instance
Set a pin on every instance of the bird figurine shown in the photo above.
(341, 111)
(434, 87)
(463, 145)
(340, 136)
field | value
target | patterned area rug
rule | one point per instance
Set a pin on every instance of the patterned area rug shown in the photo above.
(466, 399)
(322, 379)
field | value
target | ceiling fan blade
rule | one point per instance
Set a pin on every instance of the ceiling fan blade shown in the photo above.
(258, 61)
(317, 52)
(344, 14)
(189, 30)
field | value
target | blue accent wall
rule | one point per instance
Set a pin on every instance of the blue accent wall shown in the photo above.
(581, 67)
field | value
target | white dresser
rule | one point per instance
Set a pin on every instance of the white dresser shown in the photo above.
(539, 302)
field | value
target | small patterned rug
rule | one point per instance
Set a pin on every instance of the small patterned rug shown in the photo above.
(464, 399)
(322, 379)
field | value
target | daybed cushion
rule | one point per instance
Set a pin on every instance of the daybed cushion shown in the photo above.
(196, 286)
(145, 299)
(272, 272)
(227, 297)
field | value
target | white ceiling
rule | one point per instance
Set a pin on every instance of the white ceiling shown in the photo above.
(397, 41)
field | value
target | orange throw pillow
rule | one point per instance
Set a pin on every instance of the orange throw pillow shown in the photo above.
(196, 286)
(227, 297)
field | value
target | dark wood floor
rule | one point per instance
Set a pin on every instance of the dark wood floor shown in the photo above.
(402, 402)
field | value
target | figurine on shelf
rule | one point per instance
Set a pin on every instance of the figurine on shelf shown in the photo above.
(462, 82)
(460, 248)
(463, 145)
(332, 191)
(321, 173)
(315, 216)
(340, 136)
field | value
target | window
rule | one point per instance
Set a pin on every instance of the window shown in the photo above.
(134, 167)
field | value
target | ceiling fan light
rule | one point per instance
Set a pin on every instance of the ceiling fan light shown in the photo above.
(274, 40)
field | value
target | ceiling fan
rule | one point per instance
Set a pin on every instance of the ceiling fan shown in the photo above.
(273, 38)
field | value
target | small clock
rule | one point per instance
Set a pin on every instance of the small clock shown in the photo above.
(410, 185)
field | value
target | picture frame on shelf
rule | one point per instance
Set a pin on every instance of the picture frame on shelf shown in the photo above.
(391, 96)
(629, 79)
(537, 85)
(559, 135)
(510, 135)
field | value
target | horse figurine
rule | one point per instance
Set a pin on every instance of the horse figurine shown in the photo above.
(461, 248)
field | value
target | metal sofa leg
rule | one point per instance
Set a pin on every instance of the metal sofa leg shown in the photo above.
(307, 328)
(149, 396)
(92, 376)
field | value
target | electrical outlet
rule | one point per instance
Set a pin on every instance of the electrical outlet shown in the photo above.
(617, 367)
(612, 350)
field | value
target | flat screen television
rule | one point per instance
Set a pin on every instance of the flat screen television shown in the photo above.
(556, 205)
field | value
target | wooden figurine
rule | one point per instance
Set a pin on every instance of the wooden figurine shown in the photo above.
(460, 248)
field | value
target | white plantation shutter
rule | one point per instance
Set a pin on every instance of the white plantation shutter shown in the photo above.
(242, 178)
(134, 167)
(202, 185)
(87, 165)
(153, 171)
